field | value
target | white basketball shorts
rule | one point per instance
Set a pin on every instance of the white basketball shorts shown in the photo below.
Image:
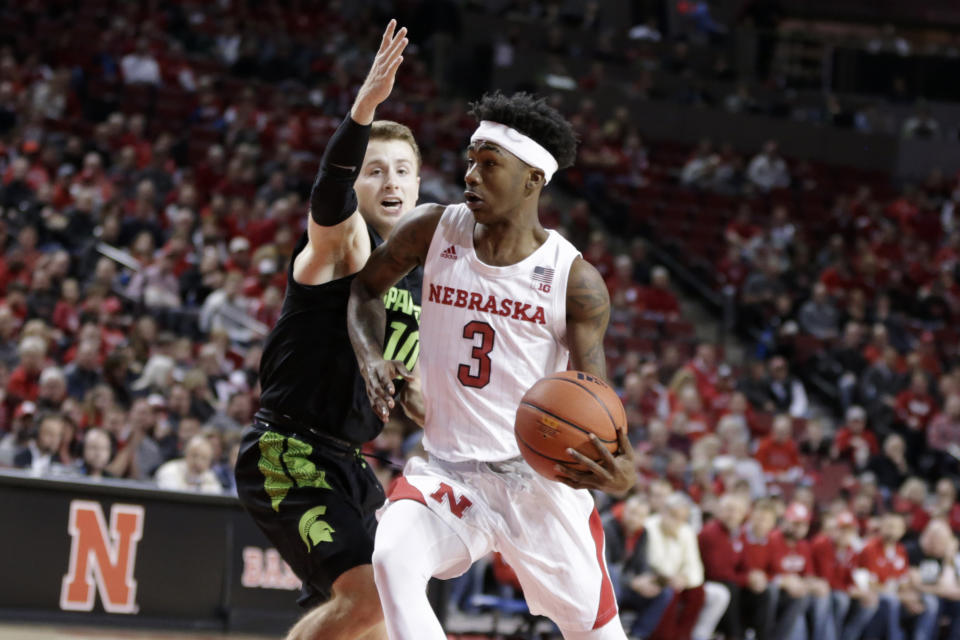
(550, 534)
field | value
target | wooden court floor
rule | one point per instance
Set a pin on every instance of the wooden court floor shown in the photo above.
(48, 632)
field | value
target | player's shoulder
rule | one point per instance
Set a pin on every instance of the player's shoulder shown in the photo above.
(585, 281)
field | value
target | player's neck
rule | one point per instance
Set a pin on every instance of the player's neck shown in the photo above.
(509, 241)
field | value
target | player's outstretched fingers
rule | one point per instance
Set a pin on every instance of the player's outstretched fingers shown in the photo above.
(388, 35)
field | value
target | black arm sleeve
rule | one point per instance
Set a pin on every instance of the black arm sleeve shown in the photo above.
(332, 199)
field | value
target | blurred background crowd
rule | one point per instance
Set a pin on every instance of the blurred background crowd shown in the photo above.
(783, 328)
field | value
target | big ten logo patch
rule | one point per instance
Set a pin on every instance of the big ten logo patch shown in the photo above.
(102, 557)
(265, 569)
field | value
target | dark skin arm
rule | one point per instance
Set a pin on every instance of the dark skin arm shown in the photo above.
(406, 248)
(588, 313)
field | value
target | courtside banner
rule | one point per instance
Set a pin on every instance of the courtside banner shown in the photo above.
(120, 553)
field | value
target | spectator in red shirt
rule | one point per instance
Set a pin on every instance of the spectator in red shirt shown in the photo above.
(910, 501)
(644, 397)
(778, 453)
(758, 563)
(688, 418)
(854, 442)
(722, 552)
(703, 368)
(621, 281)
(598, 254)
(799, 589)
(836, 554)
(24, 381)
(885, 558)
(915, 407)
(657, 299)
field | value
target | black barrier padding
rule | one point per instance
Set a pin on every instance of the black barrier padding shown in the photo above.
(188, 563)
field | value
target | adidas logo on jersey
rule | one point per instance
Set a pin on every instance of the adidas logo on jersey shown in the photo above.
(450, 252)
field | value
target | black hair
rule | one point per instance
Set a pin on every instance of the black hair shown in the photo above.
(533, 117)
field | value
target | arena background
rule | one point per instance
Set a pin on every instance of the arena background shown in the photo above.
(769, 187)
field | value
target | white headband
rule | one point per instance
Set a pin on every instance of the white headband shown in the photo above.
(524, 147)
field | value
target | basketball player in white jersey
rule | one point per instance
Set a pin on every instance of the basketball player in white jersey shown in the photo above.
(505, 303)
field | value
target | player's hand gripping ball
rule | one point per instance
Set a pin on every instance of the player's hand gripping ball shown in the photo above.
(560, 412)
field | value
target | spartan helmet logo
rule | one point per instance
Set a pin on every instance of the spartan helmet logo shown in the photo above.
(313, 530)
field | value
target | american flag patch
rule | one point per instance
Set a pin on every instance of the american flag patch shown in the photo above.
(542, 274)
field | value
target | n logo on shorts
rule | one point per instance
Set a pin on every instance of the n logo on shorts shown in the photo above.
(457, 505)
(102, 557)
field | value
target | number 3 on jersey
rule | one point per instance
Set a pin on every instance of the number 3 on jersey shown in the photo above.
(480, 354)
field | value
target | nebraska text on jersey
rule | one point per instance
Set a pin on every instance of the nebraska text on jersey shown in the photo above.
(473, 301)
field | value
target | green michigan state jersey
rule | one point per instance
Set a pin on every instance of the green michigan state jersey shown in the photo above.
(308, 370)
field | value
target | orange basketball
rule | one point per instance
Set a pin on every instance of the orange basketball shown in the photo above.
(560, 412)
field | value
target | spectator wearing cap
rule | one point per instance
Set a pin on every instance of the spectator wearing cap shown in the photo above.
(18, 434)
(640, 589)
(193, 472)
(24, 381)
(785, 391)
(240, 257)
(42, 450)
(778, 453)
(722, 552)
(854, 442)
(799, 591)
(97, 454)
(943, 435)
(674, 557)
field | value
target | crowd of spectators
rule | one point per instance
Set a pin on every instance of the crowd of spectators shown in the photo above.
(153, 185)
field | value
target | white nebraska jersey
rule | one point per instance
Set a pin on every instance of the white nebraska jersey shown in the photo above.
(487, 334)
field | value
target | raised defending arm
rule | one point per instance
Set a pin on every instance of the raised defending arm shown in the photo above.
(338, 243)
